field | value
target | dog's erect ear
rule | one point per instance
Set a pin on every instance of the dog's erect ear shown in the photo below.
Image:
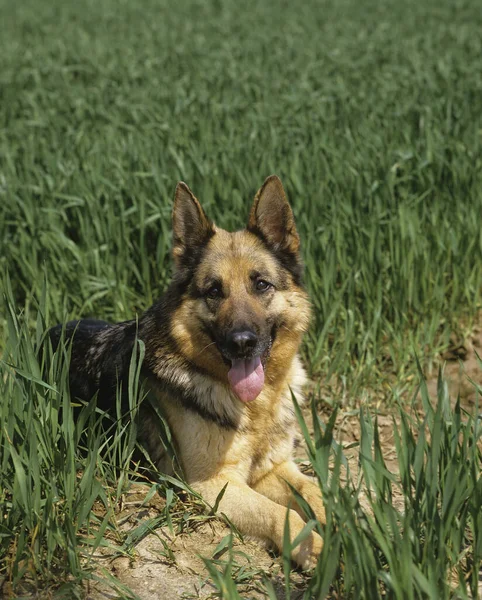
(191, 228)
(272, 217)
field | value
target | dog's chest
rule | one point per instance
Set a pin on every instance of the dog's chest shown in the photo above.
(208, 450)
(270, 441)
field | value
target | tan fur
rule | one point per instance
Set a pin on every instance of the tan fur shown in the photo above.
(256, 458)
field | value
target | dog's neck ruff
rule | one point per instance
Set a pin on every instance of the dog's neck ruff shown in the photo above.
(199, 393)
(215, 401)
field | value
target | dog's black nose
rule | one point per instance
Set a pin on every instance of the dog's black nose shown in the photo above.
(241, 343)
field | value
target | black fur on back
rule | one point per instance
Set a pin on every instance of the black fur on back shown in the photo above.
(100, 357)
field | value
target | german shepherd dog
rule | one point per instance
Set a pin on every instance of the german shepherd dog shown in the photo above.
(221, 359)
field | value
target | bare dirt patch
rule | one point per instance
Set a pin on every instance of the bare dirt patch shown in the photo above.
(153, 575)
(462, 368)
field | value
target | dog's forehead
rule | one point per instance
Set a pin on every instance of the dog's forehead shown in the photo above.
(230, 255)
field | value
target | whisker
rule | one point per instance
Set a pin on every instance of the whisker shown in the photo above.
(202, 350)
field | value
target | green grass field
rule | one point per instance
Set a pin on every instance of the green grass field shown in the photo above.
(370, 112)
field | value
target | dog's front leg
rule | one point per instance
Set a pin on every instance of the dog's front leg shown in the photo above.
(256, 515)
(274, 485)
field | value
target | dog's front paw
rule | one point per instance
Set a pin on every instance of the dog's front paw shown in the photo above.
(306, 554)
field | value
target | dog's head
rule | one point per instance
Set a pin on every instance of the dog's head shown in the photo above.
(243, 307)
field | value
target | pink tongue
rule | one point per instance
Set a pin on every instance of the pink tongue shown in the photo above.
(246, 377)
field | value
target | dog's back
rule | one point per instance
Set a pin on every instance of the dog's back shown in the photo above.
(100, 355)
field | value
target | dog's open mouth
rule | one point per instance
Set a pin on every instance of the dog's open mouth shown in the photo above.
(246, 377)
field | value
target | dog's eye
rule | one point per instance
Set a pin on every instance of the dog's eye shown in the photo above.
(214, 292)
(262, 285)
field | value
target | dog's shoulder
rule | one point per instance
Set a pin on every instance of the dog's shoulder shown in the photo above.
(100, 355)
